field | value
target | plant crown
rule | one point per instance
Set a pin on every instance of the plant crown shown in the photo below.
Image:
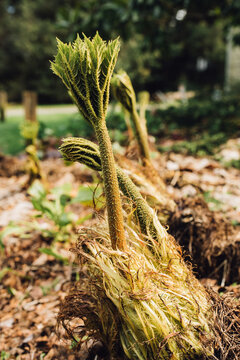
(85, 68)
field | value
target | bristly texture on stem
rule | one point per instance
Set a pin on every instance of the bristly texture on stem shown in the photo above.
(81, 150)
(86, 67)
(87, 153)
(124, 92)
(143, 100)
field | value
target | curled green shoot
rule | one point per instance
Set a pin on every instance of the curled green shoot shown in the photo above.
(124, 92)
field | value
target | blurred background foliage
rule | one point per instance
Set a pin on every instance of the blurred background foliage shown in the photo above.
(164, 42)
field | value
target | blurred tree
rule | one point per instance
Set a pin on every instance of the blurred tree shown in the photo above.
(28, 40)
(164, 42)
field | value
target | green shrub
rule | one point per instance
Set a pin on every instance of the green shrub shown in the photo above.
(203, 114)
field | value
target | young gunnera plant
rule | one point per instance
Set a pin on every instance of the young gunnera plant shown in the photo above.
(86, 67)
(137, 295)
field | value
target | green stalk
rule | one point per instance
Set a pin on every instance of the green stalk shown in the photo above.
(114, 206)
(144, 212)
(143, 101)
(141, 136)
(128, 123)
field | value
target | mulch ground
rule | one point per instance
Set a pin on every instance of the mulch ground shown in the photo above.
(32, 284)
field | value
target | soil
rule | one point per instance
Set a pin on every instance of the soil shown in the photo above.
(33, 284)
(212, 242)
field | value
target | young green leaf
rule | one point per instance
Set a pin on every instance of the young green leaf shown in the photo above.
(86, 67)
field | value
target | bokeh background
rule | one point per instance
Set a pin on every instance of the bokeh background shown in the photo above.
(164, 43)
(185, 53)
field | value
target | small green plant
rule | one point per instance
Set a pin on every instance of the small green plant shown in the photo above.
(52, 205)
(54, 209)
(29, 130)
(5, 355)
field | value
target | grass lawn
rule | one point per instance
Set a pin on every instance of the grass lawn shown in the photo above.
(59, 125)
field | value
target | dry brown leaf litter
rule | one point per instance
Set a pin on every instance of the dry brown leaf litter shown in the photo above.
(30, 294)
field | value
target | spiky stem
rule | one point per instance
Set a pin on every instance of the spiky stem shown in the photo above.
(141, 136)
(143, 211)
(114, 207)
(143, 100)
(128, 123)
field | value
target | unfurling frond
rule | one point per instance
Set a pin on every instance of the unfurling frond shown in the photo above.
(81, 150)
(123, 90)
(85, 67)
